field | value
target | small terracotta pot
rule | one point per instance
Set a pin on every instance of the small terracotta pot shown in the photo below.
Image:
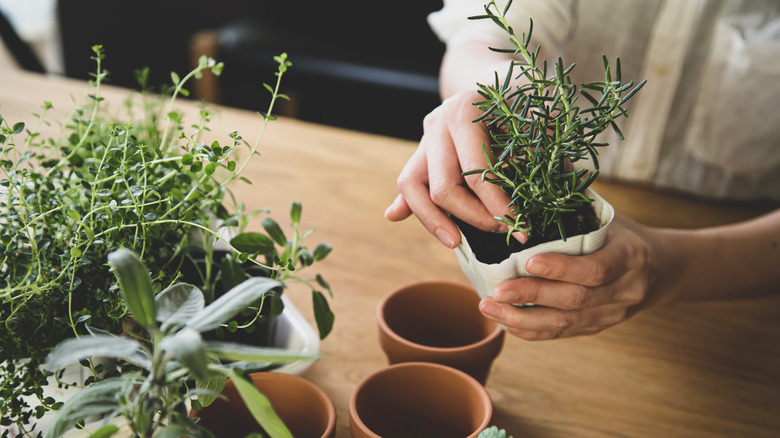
(303, 407)
(439, 321)
(419, 399)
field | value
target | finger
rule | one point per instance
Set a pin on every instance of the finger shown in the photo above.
(398, 210)
(469, 138)
(413, 187)
(627, 290)
(537, 323)
(530, 318)
(600, 267)
(446, 182)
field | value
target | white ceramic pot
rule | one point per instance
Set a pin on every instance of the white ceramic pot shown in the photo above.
(485, 277)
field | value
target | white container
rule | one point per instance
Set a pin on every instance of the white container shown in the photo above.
(485, 277)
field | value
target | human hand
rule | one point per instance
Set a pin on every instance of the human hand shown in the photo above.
(578, 295)
(432, 181)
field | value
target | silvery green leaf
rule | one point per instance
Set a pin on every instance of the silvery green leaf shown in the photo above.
(229, 304)
(245, 353)
(76, 349)
(135, 284)
(178, 304)
(172, 431)
(211, 386)
(97, 398)
(187, 347)
(493, 432)
(259, 406)
(106, 431)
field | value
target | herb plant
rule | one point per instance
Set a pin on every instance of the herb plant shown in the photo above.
(152, 399)
(145, 181)
(493, 432)
(538, 131)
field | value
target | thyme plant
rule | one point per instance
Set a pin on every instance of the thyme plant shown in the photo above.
(148, 183)
(538, 131)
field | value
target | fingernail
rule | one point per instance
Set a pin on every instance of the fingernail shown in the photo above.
(445, 237)
(536, 267)
(490, 309)
(521, 237)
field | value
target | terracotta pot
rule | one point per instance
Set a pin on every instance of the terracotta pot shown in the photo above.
(419, 399)
(305, 408)
(485, 277)
(439, 321)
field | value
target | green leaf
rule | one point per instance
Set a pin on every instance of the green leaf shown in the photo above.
(259, 406)
(322, 314)
(175, 78)
(253, 242)
(106, 431)
(18, 127)
(172, 431)
(135, 284)
(214, 384)
(493, 432)
(188, 348)
(247, 353)
(321, 251)
(274, 230)
(231, 274)
(178, 304)
(295, 212)
(76, 349)
(97, 398)
(229, 304)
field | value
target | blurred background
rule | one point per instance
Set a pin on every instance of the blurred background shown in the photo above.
(368, 66)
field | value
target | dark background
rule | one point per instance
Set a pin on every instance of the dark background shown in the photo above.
(370, 66)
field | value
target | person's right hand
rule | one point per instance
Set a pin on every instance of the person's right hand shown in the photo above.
(432, 182)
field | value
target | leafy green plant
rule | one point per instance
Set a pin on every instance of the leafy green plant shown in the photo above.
(493, 432)
(123, 178)
(152, 400)
(538, 131)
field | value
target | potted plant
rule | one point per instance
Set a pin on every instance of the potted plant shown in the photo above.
(122, 178)
(538, 133)
(152, 398)
(493, 432)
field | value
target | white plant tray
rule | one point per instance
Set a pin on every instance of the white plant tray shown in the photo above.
(485, 277)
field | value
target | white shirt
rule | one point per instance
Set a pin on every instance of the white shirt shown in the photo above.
(708, 120)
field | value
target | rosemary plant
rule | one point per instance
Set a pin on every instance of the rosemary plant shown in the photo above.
(538, 131)
(149, 185)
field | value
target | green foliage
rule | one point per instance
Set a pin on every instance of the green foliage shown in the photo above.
(152, 400)
(493, 432)
(538, 131)
(143, 181)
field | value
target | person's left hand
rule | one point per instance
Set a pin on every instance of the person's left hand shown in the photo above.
(578, 295)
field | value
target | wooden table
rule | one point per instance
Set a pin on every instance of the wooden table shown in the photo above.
(701, 370)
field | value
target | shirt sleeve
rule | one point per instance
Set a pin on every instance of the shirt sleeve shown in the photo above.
(554, 21)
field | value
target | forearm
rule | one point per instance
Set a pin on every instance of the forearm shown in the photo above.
(720, 263)
(468, 64)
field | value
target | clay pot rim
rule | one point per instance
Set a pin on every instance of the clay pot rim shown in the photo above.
(294, 379)
(493, 336)
(484, 396)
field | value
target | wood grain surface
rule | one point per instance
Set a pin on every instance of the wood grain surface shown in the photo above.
(704, 370)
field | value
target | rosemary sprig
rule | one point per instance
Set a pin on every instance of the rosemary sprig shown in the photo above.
(538, 131)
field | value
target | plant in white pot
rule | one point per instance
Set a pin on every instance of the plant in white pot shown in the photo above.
(152, 397)
(538, 133)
